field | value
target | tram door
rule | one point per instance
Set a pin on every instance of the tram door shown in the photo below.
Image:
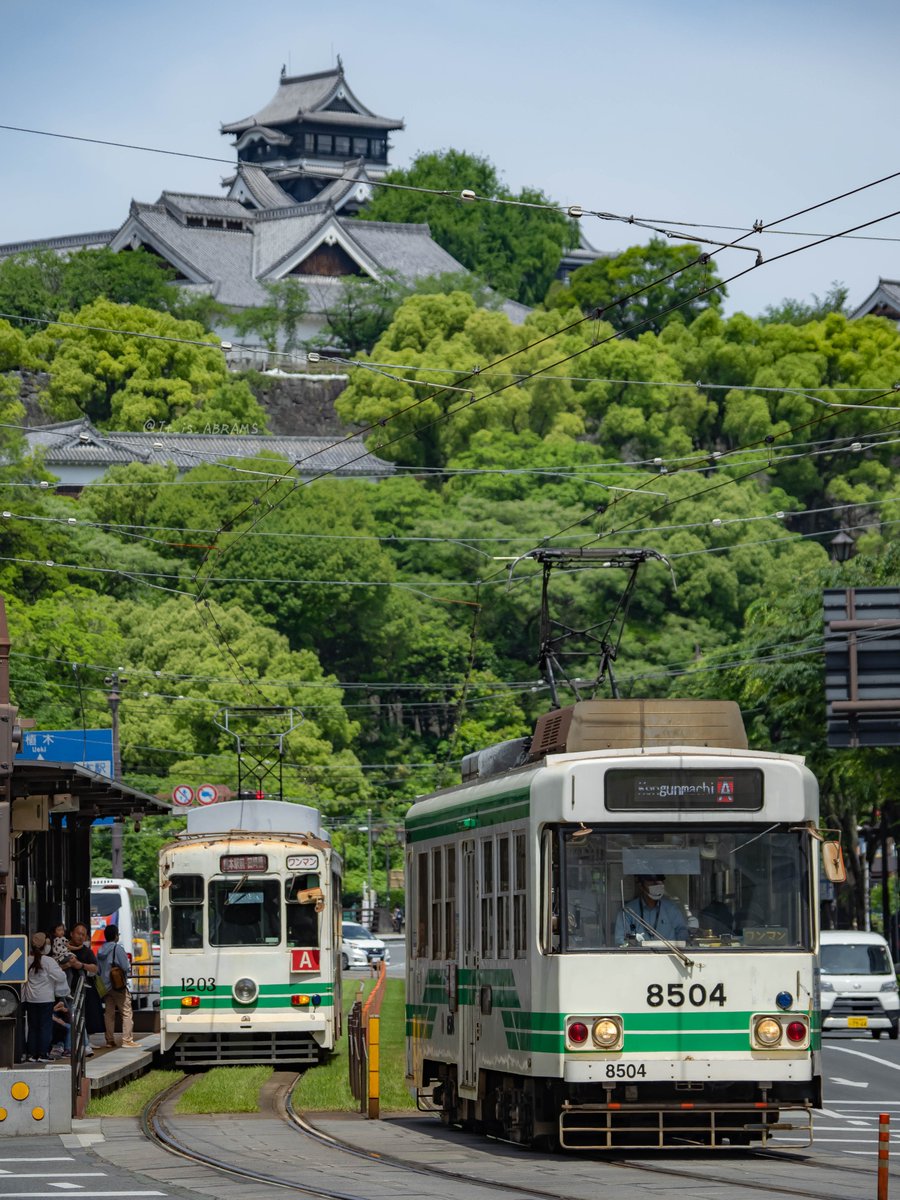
(468, 962)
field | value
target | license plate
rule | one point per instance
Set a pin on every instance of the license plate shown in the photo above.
(857, 1022)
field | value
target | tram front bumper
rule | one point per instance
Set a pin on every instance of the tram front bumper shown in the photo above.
(178, 1022)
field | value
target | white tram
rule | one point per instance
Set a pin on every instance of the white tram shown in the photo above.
(547, 1003)
(250, 936)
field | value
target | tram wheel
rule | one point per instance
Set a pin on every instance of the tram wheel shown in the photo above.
(876, 1033)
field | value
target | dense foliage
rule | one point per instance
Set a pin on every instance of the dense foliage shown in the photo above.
(624, 288)
(385, 613)
(516, 250)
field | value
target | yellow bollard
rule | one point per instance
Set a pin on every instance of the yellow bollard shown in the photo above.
(374, 1068)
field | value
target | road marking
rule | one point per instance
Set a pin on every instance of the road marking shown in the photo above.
(828, 1112)
(53, 1175)
(86, 1195)
(39, 1158)
(882, 1062)
(66, 1185)
(848, 1082)
(6, 963)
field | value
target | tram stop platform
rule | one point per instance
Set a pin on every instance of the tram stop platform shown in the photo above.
(109, 1068)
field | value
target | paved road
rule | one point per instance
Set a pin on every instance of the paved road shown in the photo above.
(111, 1159)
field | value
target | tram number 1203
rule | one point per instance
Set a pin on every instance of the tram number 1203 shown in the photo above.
(676, 995)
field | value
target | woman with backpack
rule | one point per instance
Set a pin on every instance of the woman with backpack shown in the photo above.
(114, 971)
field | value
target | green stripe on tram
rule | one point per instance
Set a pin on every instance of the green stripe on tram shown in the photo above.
(662, 1033)
(471, 814)
(265, 989)
(219, 1003)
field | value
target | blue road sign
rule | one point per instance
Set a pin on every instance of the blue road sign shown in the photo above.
(91, 748)
(13, 958)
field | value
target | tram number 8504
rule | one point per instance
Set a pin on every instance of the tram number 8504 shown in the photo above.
(625, 1071)
(675, 995)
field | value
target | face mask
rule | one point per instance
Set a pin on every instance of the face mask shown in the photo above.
(656, 891)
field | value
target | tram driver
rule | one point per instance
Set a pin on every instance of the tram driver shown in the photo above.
(651, 912)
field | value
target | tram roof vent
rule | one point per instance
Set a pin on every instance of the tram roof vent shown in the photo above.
(630, 724)
(494, 760)
(255, 816)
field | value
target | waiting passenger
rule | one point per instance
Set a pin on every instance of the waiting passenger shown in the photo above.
(651, 912)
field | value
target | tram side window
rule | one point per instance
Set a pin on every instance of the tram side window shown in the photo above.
(519, 884)
(450, 905)
(421, 929)
(437, 877)
(303, 903)
(503, 896)
(186, 905)
(487, 897)
(244, 912)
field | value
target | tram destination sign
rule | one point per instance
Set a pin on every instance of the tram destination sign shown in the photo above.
(637, 790)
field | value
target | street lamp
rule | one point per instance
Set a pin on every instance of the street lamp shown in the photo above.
(842, 546)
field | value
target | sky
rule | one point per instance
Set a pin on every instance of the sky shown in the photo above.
(703, 112)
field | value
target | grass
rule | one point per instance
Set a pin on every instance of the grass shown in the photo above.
(327, 1088)
(128, 1101)
(324, 1088)
(225, 1090)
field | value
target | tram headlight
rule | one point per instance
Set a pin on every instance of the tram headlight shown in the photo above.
(245, 991)
(607, 1033)
(767, 1031)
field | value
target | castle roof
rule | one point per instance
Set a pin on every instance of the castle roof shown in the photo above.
(79, 444)
(324, 96)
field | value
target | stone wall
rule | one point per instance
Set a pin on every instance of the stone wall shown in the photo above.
(295, 404)
(31, 384)
(301, 404)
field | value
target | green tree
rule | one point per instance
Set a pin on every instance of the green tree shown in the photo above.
(42, 284)
(610, 284)
(514, 250)
(280, 317)
(801, 312)
(123, 380)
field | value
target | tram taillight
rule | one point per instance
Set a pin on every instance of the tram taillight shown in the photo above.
(796, 1031)
(577, 1032)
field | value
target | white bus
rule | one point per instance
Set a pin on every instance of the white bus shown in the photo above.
(121, 902)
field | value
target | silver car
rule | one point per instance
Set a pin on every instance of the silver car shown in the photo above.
(360, 947)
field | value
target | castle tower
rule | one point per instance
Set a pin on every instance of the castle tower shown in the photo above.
(311, 131)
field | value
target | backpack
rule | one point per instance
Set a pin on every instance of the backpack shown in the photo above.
(118, 977)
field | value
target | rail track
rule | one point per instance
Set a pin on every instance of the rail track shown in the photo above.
(729, 1169)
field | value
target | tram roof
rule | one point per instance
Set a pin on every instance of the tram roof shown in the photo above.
(71, 788)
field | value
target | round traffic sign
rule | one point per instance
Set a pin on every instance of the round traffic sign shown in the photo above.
(207, 793)
(183, 795)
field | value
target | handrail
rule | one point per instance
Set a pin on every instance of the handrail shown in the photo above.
(372, 1006)
(78, 1043)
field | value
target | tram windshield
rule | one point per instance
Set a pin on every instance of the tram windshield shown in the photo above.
(745, 886)
(244, 912)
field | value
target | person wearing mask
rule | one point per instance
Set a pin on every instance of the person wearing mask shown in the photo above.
(114, 971)
(83, 962)
(45, 985)
(651, 912)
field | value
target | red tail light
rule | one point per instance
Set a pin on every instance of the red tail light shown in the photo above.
(796, 1031)
(578, 1032)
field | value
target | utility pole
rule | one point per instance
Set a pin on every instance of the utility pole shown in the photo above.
(113, 697)
(371, 906)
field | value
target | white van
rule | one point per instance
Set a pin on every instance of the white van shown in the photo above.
(858, 984)
(121, 902)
